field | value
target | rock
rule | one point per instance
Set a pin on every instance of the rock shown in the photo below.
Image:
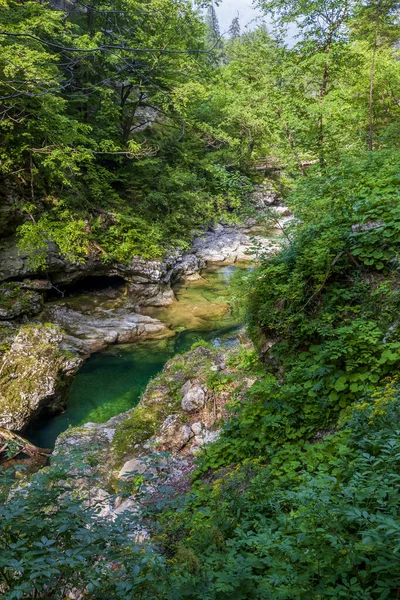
(174, 435)
(35, 375)
(148, 281)
(282, 211)
(204, 436)
(194, 399)
(100, 501)
(39, 285)
(227, 244)
(197, 428)
(209, 437)
(101, 327)
(187, 267)
(16, 301)
(134, 467)
(186, 387)
(128, 505)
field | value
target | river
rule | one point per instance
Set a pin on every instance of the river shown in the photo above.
(112, 381)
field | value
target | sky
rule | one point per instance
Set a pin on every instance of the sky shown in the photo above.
(228, 10)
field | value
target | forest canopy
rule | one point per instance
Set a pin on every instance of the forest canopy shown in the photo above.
(118, 116)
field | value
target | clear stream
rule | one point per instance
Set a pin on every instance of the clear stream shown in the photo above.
(113, 380)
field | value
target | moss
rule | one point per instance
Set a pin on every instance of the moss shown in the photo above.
(162, 398)
(9, 293)
(7, 333)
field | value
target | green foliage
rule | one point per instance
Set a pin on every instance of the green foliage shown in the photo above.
(325, 307)
(106, 162)
(300, 496)
(313, 494)
(52, 542)
(319, 520)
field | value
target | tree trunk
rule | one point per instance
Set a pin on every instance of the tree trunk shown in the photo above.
(371, 95)
(322, 94)
(290, 140)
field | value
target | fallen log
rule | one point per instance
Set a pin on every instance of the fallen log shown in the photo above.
(12, 444)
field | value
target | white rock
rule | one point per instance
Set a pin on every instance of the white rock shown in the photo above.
(128, 505)
(194, 399)
(207, 437)
(132, 468)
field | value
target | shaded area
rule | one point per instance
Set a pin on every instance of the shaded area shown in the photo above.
(89, 284)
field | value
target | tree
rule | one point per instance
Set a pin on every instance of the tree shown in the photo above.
(321, 26)
(79, 88)
(376, 22)
(214, 38)
(213, 25)
(234, 29)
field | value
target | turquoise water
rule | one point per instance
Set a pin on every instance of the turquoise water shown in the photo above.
(113, 380)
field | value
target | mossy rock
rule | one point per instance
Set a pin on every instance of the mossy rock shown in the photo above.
(35, 374)
(16, 301)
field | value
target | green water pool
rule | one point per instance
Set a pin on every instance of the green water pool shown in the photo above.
(113, 380)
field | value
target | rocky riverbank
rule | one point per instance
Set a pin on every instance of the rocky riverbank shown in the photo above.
(181, 412)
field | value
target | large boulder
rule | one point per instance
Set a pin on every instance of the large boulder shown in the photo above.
(35, 374)
(174, 434)
(194, 397)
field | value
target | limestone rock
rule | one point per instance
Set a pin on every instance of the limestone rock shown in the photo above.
(194, 399)
(186, 387)
(148, 281)
(228, 244)
(134, 467)
(100, 501)
(203, 436)
(128, 505)
(197, 428)
(95, 330)
(39, 285)
(282, 211)
(35, 374)
(174, 435)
